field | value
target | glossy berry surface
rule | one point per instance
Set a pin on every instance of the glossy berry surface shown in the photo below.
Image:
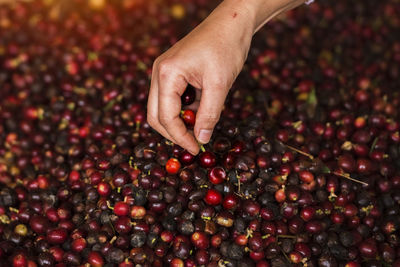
(213, 197)
(189, 117)
(189, 96)
(172, 166)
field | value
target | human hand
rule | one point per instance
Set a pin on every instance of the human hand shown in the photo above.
(209, 58)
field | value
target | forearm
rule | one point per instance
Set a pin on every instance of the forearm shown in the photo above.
(257, 12)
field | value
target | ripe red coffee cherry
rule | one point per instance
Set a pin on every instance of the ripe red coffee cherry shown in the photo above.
(57, 236)
(104, 189)
(230, 202)
(352, 264)
(186, 158)
(189, 117)
(172, 166)
(217, 175)
(176, 262)
(307, 213)
(241, 240)
(295, 257)
(78, 244)
(95, 259)
(200, 240)
(213, 197)
(19, 260)
(280, 195)
(306, 176)
(121, 208)
(207, 159)
(368, 249)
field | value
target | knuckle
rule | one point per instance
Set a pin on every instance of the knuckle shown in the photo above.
(218, 82)
(164, 68)
(156, 63)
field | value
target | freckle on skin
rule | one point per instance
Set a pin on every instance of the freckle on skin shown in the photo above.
(234, 15)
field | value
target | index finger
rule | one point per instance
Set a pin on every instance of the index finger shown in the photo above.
(171, 88)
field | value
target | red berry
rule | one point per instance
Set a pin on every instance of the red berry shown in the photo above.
(200, 240)
(176, 262)
(280, 195)
(352, 264)
(306, 176)
(189, 117)
(217, 175)
(172, 166)
(121, 208)
(74, 176)
(207, 159)
(57, 236)
(213, 197)
(19, 260)
(230, 202)
(241, 240)
(95, 259)
(104, 189)
(78, 244)
(295, 257)
(186, 158)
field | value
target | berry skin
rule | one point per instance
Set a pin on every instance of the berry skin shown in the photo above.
(95, 259)
(172, 166)
(104, 189)
(213, 197)
(189, 96)
(207, 159)
(200, 240)
(216, 175)
(189, 117)
(306, 176)
(230, 202)
(121, 208)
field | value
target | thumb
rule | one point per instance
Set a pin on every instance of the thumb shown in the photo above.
(211, 104)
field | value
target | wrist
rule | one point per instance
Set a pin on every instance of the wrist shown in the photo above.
(236, 21)
(261, 11)
(257, 12)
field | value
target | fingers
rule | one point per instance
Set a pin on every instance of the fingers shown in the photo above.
(152, 108)
(171, 87)
(209, 111)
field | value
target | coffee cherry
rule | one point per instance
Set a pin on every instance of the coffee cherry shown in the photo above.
(57, 236)
(189, 96)
(189, 117)
(172, 166)
(217, 175)
(213, 197)
(200, 240)
(207, 159)
(121, 208)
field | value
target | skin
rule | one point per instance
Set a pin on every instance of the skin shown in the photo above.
(209, 58)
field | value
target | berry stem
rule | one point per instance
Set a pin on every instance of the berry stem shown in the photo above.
(347, 176)
(300, 152)
(202, 148)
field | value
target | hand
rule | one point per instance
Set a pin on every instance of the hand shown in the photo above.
(209, 58)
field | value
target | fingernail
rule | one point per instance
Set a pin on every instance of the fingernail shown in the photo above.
(204, 136)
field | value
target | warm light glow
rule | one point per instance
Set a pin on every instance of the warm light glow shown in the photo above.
(178, 11)
(97, 4)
